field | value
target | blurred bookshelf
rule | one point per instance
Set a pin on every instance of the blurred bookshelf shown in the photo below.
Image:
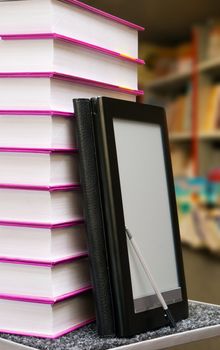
(185, 79)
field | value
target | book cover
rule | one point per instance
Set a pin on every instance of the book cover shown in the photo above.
(95, 226)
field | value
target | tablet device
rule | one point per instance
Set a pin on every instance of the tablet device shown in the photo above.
(136, 191)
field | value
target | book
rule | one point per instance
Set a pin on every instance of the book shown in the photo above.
(181, 161)
(176, 114)
(212, 110)
(52, 280)
(42, 206)
(213, 40)
(68, 18)
(47, 52)
(37, 129)
(42, 243)
(179, 113)
(192, 232)
(184, 58)
(33, 167)
(53, 91)
(45, 318)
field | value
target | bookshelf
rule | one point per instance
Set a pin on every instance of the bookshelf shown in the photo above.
(180, 136)
(195, 144)
(169, 82)
(200, 78)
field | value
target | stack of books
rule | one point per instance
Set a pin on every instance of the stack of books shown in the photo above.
(51, 51)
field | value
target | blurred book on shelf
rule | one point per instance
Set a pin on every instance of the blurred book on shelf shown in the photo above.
(211, 117)
(198, 202)
(158, 62)
(178, 110)
(163, 61)
(207, 40)
(184, 57)
(213, 42)
(185, 80)
(181, 161)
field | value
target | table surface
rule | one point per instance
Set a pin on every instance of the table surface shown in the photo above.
(203, 323)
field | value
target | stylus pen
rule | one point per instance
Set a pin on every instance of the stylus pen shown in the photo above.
(147, 271)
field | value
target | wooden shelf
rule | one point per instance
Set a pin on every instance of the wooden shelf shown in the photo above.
(186, 136)
(209, 65)
(180, 136)
(169, 81)
(215, 135)
(177, 79)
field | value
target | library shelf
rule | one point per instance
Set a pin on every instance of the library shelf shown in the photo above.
(169, 81)
(210, 65)
(210, 136)
(180, 136)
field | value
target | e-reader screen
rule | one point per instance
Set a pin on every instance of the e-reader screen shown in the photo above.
(147, 213)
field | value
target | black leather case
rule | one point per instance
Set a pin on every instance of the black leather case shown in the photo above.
(93, 217)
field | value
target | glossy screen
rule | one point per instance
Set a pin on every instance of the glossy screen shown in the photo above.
(146, 210)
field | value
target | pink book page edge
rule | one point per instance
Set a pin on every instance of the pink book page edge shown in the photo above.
(68, 187)
(72, 79)
(104, 14)
(43, 263)
(35, 113)
(57, 335)
(72, 41)
(44, 300)
(50, 226)
(39, 150)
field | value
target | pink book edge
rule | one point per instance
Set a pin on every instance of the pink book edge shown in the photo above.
(43, 263)
(45, 300)
(57, 335)
(72, 41)
(72, 79)
(39, 150)
(42, 225)
(68, 187)
(35, 113)
(105, 14)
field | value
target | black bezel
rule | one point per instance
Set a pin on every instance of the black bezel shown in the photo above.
(104, 111)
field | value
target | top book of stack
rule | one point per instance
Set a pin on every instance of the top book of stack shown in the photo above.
(70, 18)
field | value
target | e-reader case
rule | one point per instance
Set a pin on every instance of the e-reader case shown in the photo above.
(105, 213)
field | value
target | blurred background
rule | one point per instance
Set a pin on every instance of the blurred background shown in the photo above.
(181, 47)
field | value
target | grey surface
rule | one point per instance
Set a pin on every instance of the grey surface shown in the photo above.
(201, 315)
(203, 283)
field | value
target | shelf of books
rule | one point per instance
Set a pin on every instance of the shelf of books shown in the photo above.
(185, 79)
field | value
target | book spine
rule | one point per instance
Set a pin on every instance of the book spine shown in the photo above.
(93, 217)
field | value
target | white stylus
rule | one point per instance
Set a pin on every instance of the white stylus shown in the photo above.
(148, 273)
